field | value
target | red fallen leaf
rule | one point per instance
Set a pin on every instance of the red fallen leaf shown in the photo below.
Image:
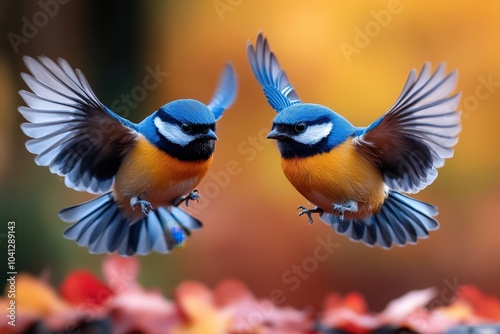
(349, 313)
(353, 301)
(486, 307)
(83, 288)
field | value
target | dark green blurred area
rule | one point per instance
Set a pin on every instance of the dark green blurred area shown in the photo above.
(251, 231)
(107, 37)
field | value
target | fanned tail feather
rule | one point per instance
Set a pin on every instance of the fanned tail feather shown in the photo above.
(100, 226)
(401, 220)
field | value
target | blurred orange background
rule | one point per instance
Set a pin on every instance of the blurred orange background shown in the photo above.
(353, 57)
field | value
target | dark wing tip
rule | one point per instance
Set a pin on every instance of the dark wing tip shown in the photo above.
(425, 121)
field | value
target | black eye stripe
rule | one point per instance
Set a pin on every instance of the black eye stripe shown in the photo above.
(200, 128)
(195, 128)
(290, 128)
(283, 128)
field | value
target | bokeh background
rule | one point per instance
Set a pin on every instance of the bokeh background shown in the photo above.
(353, 56)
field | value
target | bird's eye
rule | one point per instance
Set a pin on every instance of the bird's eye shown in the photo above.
(185, 127)
(300, 127)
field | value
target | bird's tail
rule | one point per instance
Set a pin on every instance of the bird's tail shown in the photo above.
(100, 225)
(400, 221)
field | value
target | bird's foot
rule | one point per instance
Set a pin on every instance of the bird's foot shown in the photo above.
(145, 205)
(340, 209)
(193, 196)
(309, 212)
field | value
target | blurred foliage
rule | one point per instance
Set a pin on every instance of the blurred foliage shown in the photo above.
(119, 304)
(251, 230)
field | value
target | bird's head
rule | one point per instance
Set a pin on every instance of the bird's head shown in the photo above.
(185, 129)
(304, 130)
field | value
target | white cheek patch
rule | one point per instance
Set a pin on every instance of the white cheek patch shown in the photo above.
(314, 133)
(172, 132)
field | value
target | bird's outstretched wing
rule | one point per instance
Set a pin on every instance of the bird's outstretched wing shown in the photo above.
(225, 93)
(420, 130)
(73, 133)
(277, 88)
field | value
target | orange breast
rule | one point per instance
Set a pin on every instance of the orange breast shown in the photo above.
(155, 176)
(338, 176)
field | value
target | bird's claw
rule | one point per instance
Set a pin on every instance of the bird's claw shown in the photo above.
(309, 212)
(192, 196)
(146, 206)
(342, 208)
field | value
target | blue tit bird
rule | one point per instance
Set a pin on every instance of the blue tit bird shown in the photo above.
(354, 175)
(142, 172)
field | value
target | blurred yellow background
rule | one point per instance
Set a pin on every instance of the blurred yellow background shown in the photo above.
(352, 56)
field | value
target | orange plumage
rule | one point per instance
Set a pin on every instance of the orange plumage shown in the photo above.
(150, 173)
(353, 178)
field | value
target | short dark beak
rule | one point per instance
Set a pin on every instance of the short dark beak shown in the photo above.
(210, 135)
(275, 134)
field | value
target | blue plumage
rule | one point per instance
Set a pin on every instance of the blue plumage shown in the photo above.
(278, 90)
(186, 110)
(178, 235)
(312, 115)
(354, 174)
(178, 113)
(103, 228)
(225, 94)
(402, 220)
(79, 138)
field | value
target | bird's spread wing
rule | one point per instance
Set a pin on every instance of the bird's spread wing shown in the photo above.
(73, 133)
(225, 92)
(420, 130)
(277, 88)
